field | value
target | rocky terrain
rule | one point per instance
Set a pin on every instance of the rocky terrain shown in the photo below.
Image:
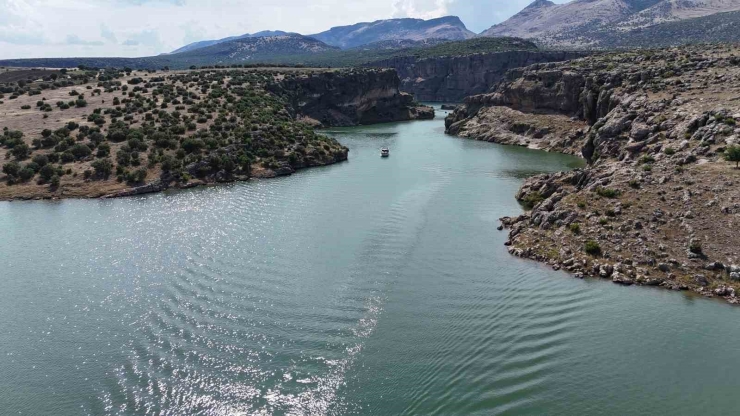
(448, 27)
(118, 133)
(659, 202)
(452, 78)
(610, 23)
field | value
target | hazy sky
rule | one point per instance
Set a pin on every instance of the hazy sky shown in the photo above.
(56, 28)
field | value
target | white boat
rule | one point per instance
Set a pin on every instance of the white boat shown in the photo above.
(385, 152)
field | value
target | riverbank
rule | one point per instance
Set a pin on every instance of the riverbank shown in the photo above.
(658, 203)
(90, 134)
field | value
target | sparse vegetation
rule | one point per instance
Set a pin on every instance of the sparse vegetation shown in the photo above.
(592, 248)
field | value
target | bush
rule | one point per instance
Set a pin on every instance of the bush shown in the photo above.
(55, 181)
(12, 168)
(531, 199)
(575, 228)
(80, 103)
(732, 154)
(103, 168)
(25, 107)
(27, 173)
(695, 246)
(21, 151)
(669, 151)
(103, 150)
(80, 151)
(47, 172)
(607, 192)
(40, 160)
(592, 247)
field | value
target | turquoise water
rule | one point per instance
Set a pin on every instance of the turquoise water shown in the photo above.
(372, 287)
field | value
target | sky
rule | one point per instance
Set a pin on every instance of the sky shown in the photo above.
(130, 28)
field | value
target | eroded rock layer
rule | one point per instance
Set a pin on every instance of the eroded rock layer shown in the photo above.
(659, 203)
(451, 79)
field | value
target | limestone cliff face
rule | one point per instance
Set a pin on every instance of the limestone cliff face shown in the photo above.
(451, 79)
(350, 98)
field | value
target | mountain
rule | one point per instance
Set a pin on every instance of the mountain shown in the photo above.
(450, 28)
(205, 43)
(253, 49)
(601, 23)
(290, 50)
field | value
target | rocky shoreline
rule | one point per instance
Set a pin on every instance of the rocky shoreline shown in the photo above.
(658, 203)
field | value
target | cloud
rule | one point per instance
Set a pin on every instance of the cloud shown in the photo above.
(75, 40)
(421, 9)
(144, 38)
(107, 34)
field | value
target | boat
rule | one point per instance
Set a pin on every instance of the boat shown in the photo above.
(385, 152)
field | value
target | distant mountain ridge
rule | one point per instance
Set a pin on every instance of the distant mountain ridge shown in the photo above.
(205, 43)
(600, 23)
(345, 37)
(254, 49)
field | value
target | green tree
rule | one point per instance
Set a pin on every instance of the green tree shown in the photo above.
(732, 154)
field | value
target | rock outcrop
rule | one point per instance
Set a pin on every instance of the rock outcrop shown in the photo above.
(350, 98)
(452, 78)
(658, 202)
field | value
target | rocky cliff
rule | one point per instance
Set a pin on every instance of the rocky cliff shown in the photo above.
(349, 98)
(452, 78)
(659, 200)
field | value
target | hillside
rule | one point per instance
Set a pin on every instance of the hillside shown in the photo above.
(450, 28)
(259, 49)
(658, 203)
(205, 43)
(609, 23)
(120, 133)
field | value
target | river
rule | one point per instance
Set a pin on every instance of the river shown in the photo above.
(371, 287)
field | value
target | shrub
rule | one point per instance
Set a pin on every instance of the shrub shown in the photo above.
(80, 103)
(21, 151)
(12, 168)
(25, 107)
(80, 151)
(575, 228)
(592, 247)
(695, 246)
(103, 168)
(103, 150)
(531, 199)
(669, 151)
(55, 181)
(732, 154)
(26, 174)
(47, 172)
(607, 192)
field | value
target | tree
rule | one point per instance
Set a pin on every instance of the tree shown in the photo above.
(103, 167)
(732, 154)
(11, 168)
(21, 151)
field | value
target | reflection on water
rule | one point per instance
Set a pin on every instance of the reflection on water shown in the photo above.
(378, 286)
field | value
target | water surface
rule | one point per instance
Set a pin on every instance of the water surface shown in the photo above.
(376, 286)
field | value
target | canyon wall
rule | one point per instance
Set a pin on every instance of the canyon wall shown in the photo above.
(451, 79)
(350, 98)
